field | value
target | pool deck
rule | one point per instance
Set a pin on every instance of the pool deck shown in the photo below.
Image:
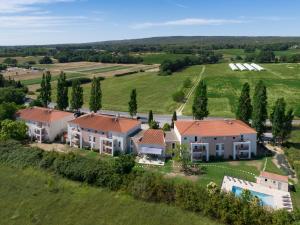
(281, 199)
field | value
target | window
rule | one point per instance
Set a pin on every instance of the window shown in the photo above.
(92, 138)
(196, 138)
(220, 147)
(185, 138)
(266, 180)
(215, 138)
(119, 144)
(173, 145)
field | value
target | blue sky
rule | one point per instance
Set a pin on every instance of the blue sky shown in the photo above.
(76, 21)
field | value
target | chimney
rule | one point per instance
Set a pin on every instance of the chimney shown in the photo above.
(117, 117)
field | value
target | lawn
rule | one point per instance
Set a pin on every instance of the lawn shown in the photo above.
(34, 197)
(158, 58)
(153, 92)
(224, 87)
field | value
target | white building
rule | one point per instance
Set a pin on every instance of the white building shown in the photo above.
(257, 67)
(44, 124)
(216, 138)
(233, 67)
(151, 147)
(272, 180)
(108, 134)
(241, 67)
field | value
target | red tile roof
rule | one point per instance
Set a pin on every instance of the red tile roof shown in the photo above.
(274, 176)
(151, 136)
(208, 128)
(43, 115)
(106, 123)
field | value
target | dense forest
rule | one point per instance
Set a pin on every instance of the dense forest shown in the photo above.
(184, 45)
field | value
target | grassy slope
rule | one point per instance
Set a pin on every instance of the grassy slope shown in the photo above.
(27, 197)
(224, 86)
(154, 92)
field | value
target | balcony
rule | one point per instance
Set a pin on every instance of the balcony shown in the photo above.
(242, 150)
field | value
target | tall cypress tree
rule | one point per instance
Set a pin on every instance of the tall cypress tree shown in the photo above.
(200, 110)
(45, 91)
(150, 117)
(62, 92)
(244, 108)
(96, 95)
(76, 95)
(260, 113)
(132, 104)
(174, 118)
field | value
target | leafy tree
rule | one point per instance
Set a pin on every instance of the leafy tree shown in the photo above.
(187, 83)
(200, 110)
(36, 102)
(174, 118)
(45, 91)
(166, 127)
(132, 104)
(10, 61)
(150, 117)
(62, 92)
(260, 113)
(76, 96)
(281, 121)
(11, 94)
(96, 95)
(13, 130)
(8, 111)
(154, 125)
(46, 60)
(182, 154)
(244, 108)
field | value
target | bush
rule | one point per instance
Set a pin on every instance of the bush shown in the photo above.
(82, 80)
(166, 127)
(125, 74)
(187, 83)
(178, 96)
(46, 60)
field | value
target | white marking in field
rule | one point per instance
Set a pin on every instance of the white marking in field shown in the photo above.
(191, 91)
(265, 165)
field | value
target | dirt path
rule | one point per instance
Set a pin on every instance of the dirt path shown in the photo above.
(189, 94)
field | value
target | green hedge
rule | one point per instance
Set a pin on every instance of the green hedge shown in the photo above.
(119, 173)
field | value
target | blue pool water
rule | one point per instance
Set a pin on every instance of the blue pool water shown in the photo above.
(265, 199)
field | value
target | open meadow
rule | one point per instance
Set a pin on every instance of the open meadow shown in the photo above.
(31, 196)
(224, 87)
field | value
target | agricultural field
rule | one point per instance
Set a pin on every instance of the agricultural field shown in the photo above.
(34, 197)
(224, 86)
(154, 92)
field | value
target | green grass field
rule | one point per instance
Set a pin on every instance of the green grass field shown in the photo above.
(154, 92)
(99, 69)
(34, 197)
(224, 86)
(158, 58)
(53, 78)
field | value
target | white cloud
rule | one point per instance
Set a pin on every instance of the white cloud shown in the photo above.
(17, 6)
(186, 22)
(28, 22)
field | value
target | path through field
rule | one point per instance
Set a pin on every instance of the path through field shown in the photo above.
(189, 94)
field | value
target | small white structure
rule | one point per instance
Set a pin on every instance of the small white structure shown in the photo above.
(44, 124)
(233, 67)
(241, 67)
(152, 147)
(273, 180)
(257, 67)
(249, 67)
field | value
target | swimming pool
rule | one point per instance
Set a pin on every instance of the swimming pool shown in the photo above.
(265, 199)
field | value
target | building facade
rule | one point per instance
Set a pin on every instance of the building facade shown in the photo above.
(273, 180)
(108, 134)
(44, 125)
(217, 138)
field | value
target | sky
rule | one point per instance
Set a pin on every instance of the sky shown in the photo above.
(34, 22)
